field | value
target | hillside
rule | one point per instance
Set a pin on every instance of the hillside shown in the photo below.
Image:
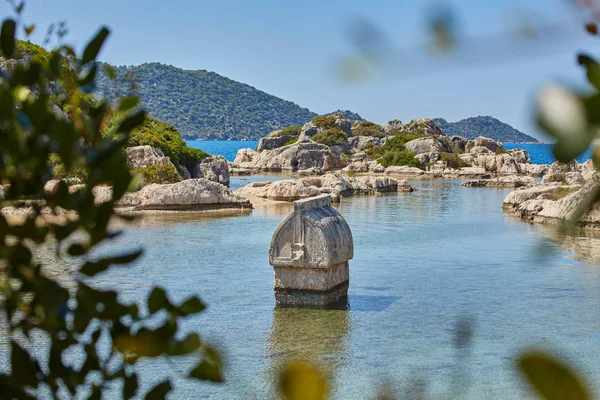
(203, 104)
(484, 126)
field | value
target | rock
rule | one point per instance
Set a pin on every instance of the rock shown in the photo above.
(188, 195)
(364, 167)
(490, 144)
(309, 252)
(394, 125)
(520, 156)
(521, 195)
(459, 142)
(310, 129)
(344, 125)
(427, 145)
(332, 184)
(535, 170)
(270, 143)
(512, 181)
(479, 150)
(145, 156)
(498, 163)
(185, 173)
(215, 168)
(296, 157)
(362, 142)
(403, 170)
(587, 170)
(424, 126)
(557, 167)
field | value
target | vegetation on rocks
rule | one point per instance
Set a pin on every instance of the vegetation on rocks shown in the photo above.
(331, 137)
(289, 131)
(326, 122)
(454, 160)
(366, 128)
(558, 177)
(401, 158)
(158, 173)
(156, 133)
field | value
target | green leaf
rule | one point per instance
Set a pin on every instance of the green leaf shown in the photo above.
(92, 268)
(87, 76)
(188, 345)
(110, 72)
(159, 392)
(130, 387)
(29, 29)
(131, 122)
(93, 48)
(551, 379)
(592, 67)
(7, 37)
(209, 368)
(191, 306)
(127, 103)
(158, 300)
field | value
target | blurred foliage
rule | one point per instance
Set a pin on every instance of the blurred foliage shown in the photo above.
(34, 304)
(158, 174)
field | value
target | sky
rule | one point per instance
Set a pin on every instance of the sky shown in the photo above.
(293, 49)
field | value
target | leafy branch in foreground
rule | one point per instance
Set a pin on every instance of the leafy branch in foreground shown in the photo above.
(70, 313)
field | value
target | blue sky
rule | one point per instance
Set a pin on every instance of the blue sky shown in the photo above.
(290, 49)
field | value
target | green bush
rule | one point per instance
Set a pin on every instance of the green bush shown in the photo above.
(156, 133)
(557, 177)
(401, 157)
(366, 128)
(289, 131)
(291, 141)
(158, 174)
(60, 172)
(454, 161)
(372, 151)
(331, 137)
(322, 121)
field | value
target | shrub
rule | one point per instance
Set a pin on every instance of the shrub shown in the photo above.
(331, 137)
(60, 172)
(366, 128)
(372, 151)
(501, 151)
(158, 174)
(291, 141)
(454, 161)
(557, 177)
(321, 121)
(156, 133)
(401, 157)
(289, 131)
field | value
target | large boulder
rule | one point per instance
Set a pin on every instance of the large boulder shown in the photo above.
(362, 142)
(490, 144)
(215, 168)
(310, 129)
(269, 143)
(459, 142)
(299, 156)
(424, 126)
(333, 184)
(364, 166)
(393, 125)
(145, 156)
(427, 145)
(511, 182)
(498, 163)
(188, 195)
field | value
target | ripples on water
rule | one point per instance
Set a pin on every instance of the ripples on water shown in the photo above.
(422, 261)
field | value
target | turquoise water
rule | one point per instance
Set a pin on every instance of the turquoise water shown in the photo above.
(540, 153)
(422, 261)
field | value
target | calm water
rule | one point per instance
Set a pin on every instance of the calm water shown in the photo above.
(540, 153)
(422, 260)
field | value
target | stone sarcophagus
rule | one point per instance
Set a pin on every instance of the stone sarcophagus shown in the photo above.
(309, 251)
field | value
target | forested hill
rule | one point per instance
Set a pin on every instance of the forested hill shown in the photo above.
(203, 104)
(484, 126)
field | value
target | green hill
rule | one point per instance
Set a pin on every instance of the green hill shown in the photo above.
(203, 104)
(484, 126)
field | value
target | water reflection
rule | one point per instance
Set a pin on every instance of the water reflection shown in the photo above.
(318, 336)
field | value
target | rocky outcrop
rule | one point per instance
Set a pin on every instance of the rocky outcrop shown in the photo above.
(215, 168)
(333, 184)
(424, 126)
(485, 142)
(270, 143)
(292, 158)
(363, 142)
(393, 125)
(497, 163)
(145, 156)
(513, 181)
(188, 195)
(427, 145)
(556, 203)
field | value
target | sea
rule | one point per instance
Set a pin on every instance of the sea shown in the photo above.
(427, 266)
(539, 153)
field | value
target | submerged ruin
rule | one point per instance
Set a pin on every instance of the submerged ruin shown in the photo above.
(309, 252)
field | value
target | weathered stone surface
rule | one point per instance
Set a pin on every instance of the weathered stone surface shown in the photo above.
(427, 145)
(299, 156)
(191, 194)
(521, 195)
(512, 181)
(332, 184)
(476, 150)
(403, 170)
(344, 125)
(521, 156)
(145, 156)
(309, 252)
(269, 143)
(424, 126)
(310, 129)
(215, 168)
(364, 167)
(498, 163)
(393, 125)
(362, 142)
(459, 142)
(490, 144)
(535, 170)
